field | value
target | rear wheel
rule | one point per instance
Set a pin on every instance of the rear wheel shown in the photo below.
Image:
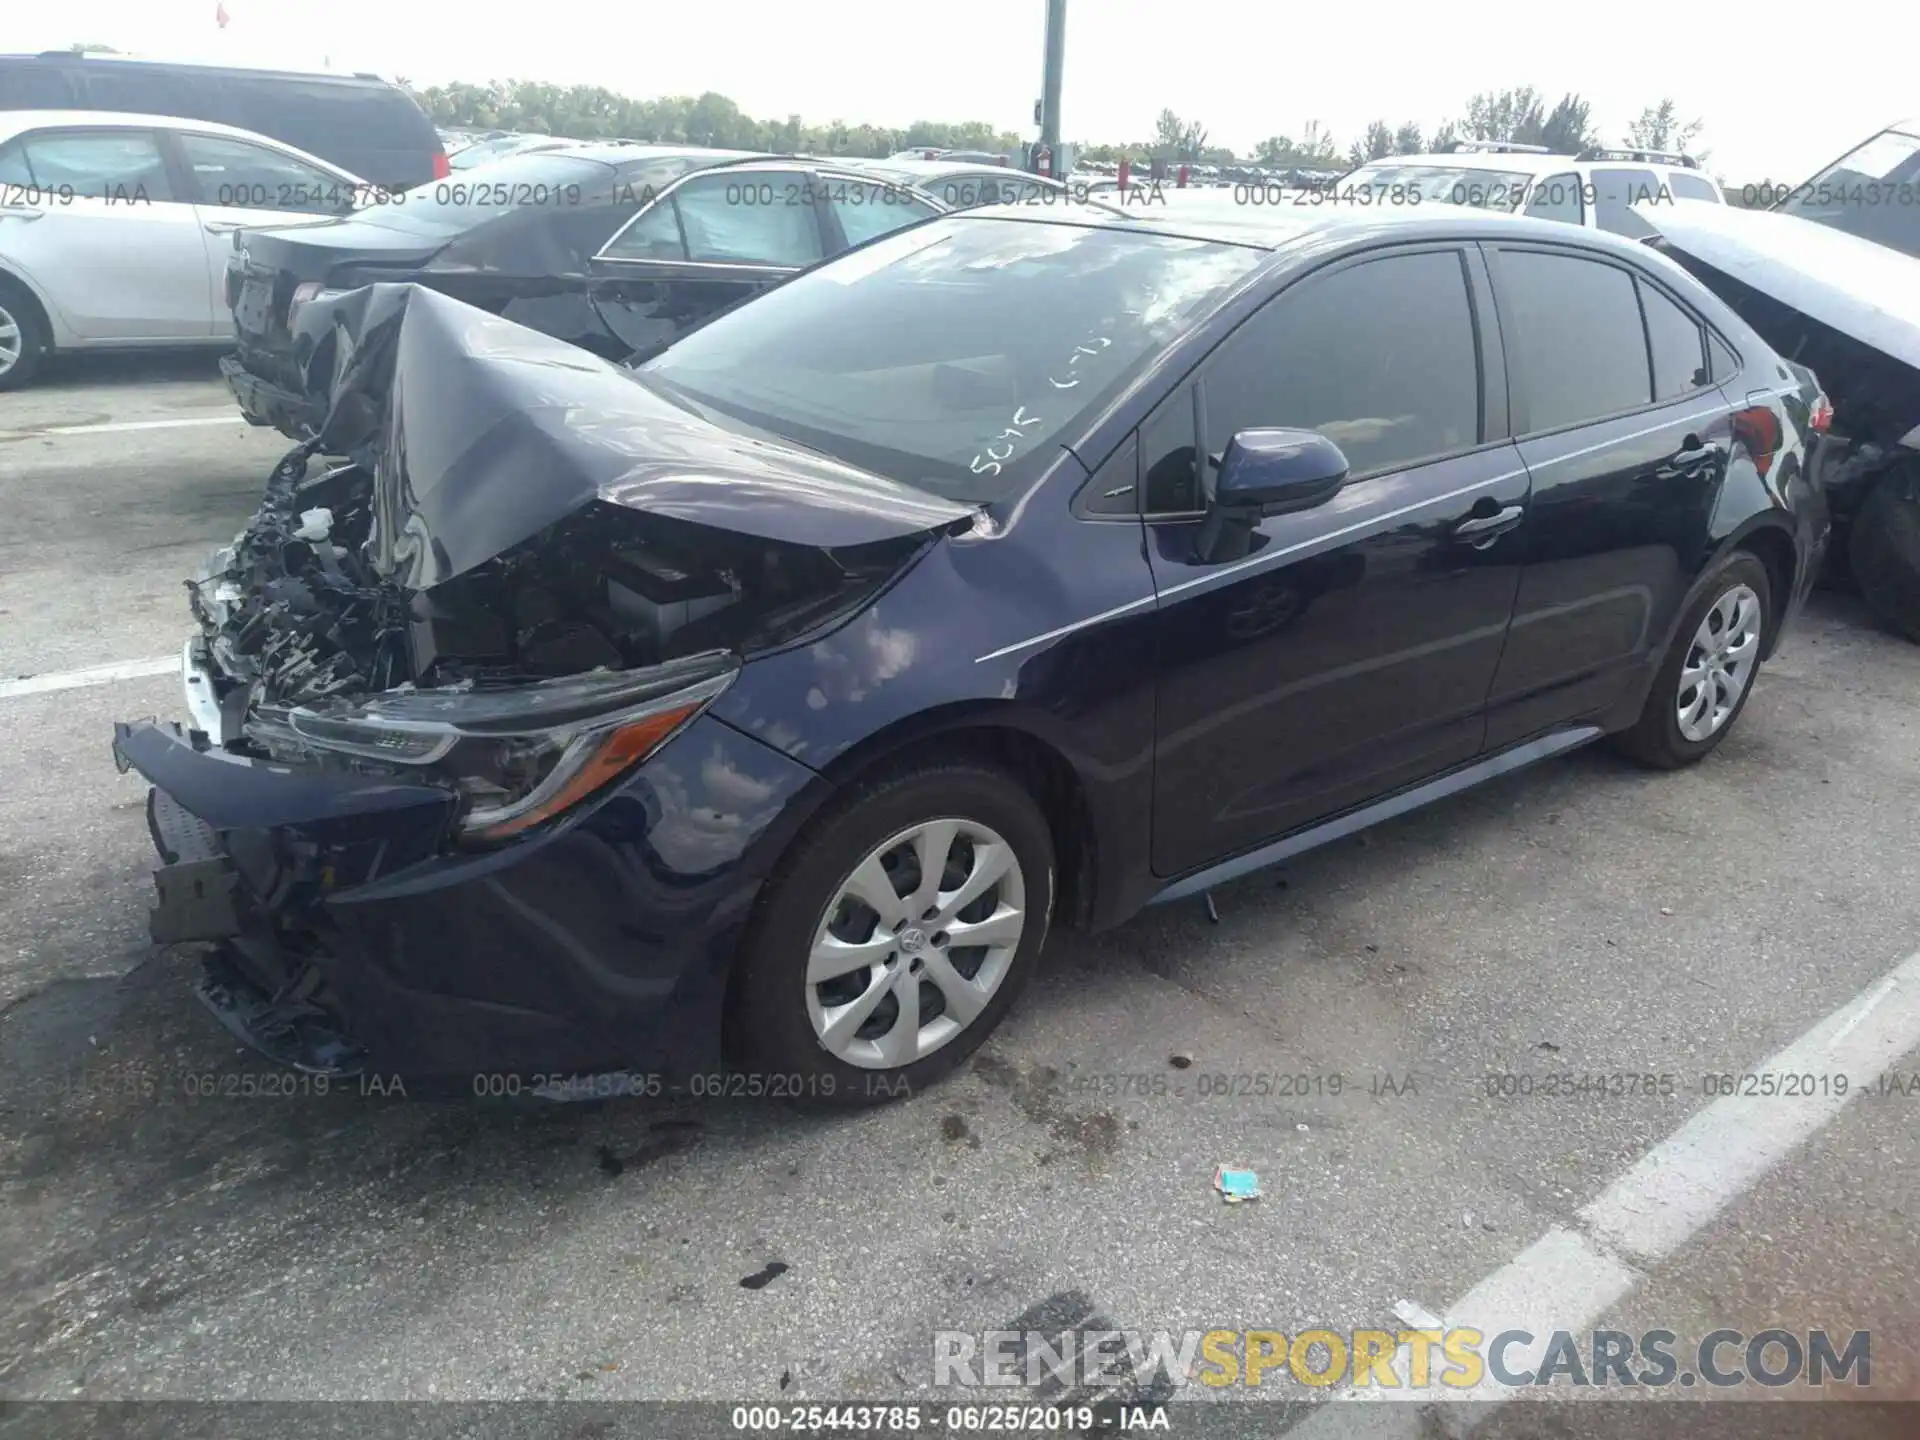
(1884, 552)
(23, 338)
(1704, 682)
(896, 936)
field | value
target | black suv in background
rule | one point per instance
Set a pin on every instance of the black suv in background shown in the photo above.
(359, 122)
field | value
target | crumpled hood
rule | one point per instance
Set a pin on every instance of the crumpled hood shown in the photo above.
(480, 433)
(1866, 291)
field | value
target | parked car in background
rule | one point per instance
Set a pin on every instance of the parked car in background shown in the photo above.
(965, 184)
(115, 229)
(791, 686)
(500, 146)
(358, 123)
(614, 247)
(1831, 276)
(1596, 188)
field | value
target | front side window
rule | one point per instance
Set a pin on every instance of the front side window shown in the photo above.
(654, 234)
(1693, 187)
(1616, 190)
(1559, 197)
(868, 209)
(1378, 357)
(1477, 189)
(749, 217)
(954, 355)
(1676, 341)
(1573, 335)
(240, 173)
(121, 166)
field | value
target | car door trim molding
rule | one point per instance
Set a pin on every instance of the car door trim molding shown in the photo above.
(1518, 757)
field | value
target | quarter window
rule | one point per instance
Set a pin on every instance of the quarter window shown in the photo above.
(866, 209)
(1616, 190)
(1575, 343)
(653, 235)
(742, 218)
(1378, 357)
(1726, 364)
(1676, 342)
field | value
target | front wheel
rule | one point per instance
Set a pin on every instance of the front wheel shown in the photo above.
(23, 340)
(896, 935)
(1708, 673)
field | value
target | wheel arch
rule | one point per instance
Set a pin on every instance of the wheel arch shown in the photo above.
(13, 279)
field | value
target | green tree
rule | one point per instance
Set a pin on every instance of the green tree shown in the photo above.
(1512, 115)
(1406, 140)
(1659, 128)
(1177, 139)
(1568, 128)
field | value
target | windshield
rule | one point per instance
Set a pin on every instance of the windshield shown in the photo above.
(1872, 192)
(953, 356)
(1471, 186)
(541, 179)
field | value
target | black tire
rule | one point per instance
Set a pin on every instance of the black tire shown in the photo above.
(20, 309)
(1655, 738)
(769, 1030)
(1884, 553)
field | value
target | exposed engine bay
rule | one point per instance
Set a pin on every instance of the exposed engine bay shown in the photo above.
(294, 613)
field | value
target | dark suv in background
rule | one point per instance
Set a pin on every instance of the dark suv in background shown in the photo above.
(361, 123)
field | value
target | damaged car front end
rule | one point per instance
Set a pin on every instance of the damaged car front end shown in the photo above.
(452, 802)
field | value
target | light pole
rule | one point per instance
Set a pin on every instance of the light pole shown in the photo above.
(1056, 56)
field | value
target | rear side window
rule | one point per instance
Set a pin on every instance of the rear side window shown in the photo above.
(119, 166)
(1558, 197)
(867, 210)
(1726, 364)
(1693, 187)
(653, 235)
(1575, 344)
(30, 85)
(242, 174)
(1616, 190)
(1676, 342)
(1378, 357)
(140, 90)
(747, 218)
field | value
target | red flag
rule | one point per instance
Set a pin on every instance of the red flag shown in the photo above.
(220, 15)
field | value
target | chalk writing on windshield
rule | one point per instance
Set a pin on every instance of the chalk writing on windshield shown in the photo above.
(1000, 447)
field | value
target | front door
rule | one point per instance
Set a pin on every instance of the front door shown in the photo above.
(711, 241)
(1349, 650)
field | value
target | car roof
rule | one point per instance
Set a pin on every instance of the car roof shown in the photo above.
(942, 169)
(95, 59)
(15, 122)
(1526, 162)
(621, 152)
(1216, 217)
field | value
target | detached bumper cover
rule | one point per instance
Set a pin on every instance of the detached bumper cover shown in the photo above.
(264, 403)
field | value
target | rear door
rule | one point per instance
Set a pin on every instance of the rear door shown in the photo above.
(236, 184)
(710, 241)
(102, 233)
(1349, 651)
(1627, 438)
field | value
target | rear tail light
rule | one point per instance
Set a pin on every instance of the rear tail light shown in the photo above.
(442, 167)
(1822, 413)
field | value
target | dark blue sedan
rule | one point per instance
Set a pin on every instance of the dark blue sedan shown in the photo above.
(1019, 568)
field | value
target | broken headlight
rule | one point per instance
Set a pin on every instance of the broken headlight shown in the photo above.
(521, 755)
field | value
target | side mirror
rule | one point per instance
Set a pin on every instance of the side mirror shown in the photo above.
(1273, 472)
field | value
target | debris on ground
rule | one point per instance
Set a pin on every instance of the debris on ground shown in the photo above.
(1236, 1186)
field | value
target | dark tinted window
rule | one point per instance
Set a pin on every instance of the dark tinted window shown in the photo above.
(1692, 187)
(1378, 357)
(1677, 343)
(138, 89)
(29, 85)
(115, 165)
(748, 217)
(1574, 340)
(867, 210)
(954, 355)
(1558, 197)
(1616, 190)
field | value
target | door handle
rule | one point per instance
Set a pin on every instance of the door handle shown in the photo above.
(1481, 531)
(1691, 458)
(21, 213)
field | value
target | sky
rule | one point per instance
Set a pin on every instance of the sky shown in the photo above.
(1246, 69)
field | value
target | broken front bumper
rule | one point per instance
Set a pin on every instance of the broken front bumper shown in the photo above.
(264, 403)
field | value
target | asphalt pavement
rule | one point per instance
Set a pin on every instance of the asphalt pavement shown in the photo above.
(1361, 1028)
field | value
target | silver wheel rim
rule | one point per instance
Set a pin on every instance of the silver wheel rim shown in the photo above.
(1719, 664)
(915, 943)
(11, 340)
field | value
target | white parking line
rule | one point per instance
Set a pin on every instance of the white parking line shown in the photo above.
(1570, 1277)
(120, 426)
(91, 675)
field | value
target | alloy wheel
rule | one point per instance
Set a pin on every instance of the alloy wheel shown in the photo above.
(915, 942)
(1720, 663)
(11, 340)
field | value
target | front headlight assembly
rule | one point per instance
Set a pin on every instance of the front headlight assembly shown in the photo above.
(521, 755)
